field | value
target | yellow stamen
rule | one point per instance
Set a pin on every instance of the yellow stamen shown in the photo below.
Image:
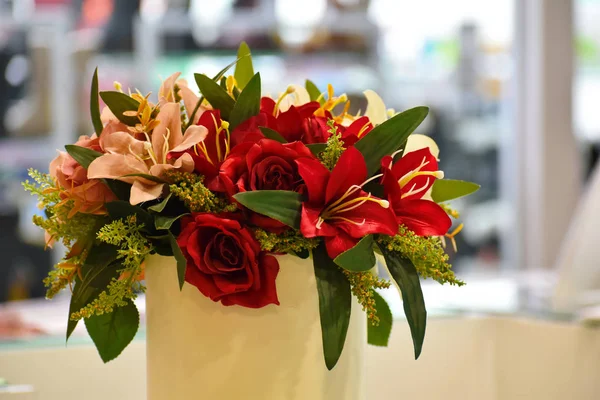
(363, 129)
(118, 86)
(290, 89)
(452, 236)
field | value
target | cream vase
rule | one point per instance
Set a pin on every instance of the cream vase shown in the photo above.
(198, 349)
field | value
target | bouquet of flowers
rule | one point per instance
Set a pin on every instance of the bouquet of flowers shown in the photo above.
(227, 182)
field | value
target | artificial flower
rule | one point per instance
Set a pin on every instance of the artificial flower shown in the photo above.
(289, 123)
(266, 165)
(129, 159)
(173, 89)
(358, 129)
(337, 208)
(88, 195)
(225, 262)
(405, 183)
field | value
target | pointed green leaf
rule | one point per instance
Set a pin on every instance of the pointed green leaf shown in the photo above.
(118, 103)
(380, 335)
(247, 104)
(359, 258)
(244, 70)
(272, 134)
(159, 207)
(82, 155)
(123, 209)
(282, 205)
(449, 189)
(163, 222)
(313, 91)
(120, 189)
(317, 148)
(335, 303)
(216, 78)
(97, 272)
(112, 332)
(216, 96)
(388, 137)
(406, 277)
(180, 258)
(95, 105)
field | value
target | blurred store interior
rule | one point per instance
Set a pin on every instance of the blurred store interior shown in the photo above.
(485, 68)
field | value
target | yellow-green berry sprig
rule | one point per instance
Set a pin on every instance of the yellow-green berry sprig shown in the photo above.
(190, 189)
(290, 241)
(426, 253)
(450, 211)
(335, 147)
(362, 285)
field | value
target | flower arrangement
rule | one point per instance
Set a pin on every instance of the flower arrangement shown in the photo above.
(227, 182)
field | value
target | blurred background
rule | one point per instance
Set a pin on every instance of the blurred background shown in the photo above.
(513, 87)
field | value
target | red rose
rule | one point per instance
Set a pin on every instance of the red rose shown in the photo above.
(290, 122)
(249, 130)
(225, 263)
(316, 130)
(266, 165)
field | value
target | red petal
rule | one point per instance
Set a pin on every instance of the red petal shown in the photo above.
(308, 223)
(412, 161)
(423, 217)
(390, 185)
(338, 244)
(315, 176)
(204, 283)
(308, 109)
(267, 105)
(350, 170)
(376, 220)
(266, 292)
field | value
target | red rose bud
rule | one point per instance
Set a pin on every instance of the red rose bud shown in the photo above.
(225, 263)
(405, 183)
(337, 207)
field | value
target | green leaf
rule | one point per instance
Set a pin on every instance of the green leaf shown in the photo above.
(162, 222)
(272, 134)
(313, 91)
(244, 70)
(359, 258)
(406, 277)
(216, 96)
(112, 332)
(159, 207)
(317, 148)
(149, 177)
(335, 301)
(449, 189)
(82, 155)
(120, 189)
(386, 138)
(303, 254)
(118, 103)
(95, 105)
(180, 258)
(282, 205)
(379, 335)
(97, 272)
(247, 104)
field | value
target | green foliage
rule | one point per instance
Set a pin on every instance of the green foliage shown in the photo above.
(112, 332)
(244, 70)
(290, 241)
(426, 253)
(406, 277)
(216, 95)
(133, 248)
(247, 104)
(334, 149)
(379, 334)
(273, 135)
(95, 105)
(388, 137)
(119, 103)
(359, 258)
(82, 155)
(180, 258)
(281, 205)
(313, 91)
(450, 189)
(335, 301)
(190, 189)
(363, 286)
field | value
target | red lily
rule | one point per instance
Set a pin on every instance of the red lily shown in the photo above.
(356, 130)
(405, 183)
(337, 207)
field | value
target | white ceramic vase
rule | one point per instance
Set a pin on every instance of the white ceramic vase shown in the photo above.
(199, 349)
